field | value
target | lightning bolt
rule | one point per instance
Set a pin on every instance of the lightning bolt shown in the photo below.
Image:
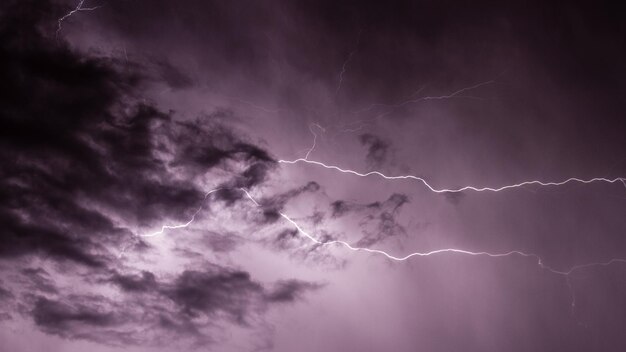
(314, 138)
(454, 190)
(345, 63)
(565, 273)
(254, 105)
(411, 97)
(456, 94)
(169, 227)
(433, 252)
(360, 123)
(180, 226)
(78, 8)
(411, 100)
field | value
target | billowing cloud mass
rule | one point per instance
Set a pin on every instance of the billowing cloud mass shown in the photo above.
(85, 161)
(312, 176)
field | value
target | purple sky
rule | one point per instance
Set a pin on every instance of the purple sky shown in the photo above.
(197, 176)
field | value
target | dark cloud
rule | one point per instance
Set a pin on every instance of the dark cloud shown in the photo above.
(208, 293)
(302, 249)
(39, 280)
(187, 307)
(222, 243)
(290, 290)
(135, 283)
(57, 317)
(201, 150)
(6, 298)
(84, 158)
(172, 76)
(5, 293)
(377, 220)
(74, 139)
(454, 197)
(272, 206)
(377, 149)
(286, 239)
(93, 318)
(86, 162)
(393, 203)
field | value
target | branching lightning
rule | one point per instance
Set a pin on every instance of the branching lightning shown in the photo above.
(169, 227)
(437, 251)
(454, 190)
(180, 226)
(78, 8)
(308, 153)
(411, 100)
(565, 273)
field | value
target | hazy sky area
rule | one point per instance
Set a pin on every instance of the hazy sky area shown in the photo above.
(312, 176)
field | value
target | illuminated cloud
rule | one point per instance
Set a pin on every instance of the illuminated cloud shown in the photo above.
(311, 176)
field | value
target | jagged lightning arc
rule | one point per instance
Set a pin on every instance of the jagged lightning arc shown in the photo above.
(434, 252)
(344, 67)
(314, 240)
(183, 225)
(431, 188)
(313, 145)
(78, 8)
(564, 273)
(456, 94)
(428, 185)
(454, 190)
(168, 227)
(347, 245)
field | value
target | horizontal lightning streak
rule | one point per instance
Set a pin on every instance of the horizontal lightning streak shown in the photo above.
(453, 190)
(455, 94)
(441, 97)
(180, 226)
(565, 273)
(437, 251)
(387, 255)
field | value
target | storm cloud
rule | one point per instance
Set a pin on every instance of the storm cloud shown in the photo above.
(85, 161)
(201, 176)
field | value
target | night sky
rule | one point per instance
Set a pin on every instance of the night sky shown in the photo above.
(312, 176)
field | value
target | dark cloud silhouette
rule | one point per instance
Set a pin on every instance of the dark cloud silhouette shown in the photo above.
(135, 283)
(180, 306)
(5, 293)
(88, 162)
(173, 76)
(454, 197)
(72, 137)
(290, 290)
(393, 203)
(222, 243)
(57, 316)
(385, 223)
(39, 280)
(377, 149)
(555, 110)
(83, 158)
(229, 292)
(273, 205)
(377, 219)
